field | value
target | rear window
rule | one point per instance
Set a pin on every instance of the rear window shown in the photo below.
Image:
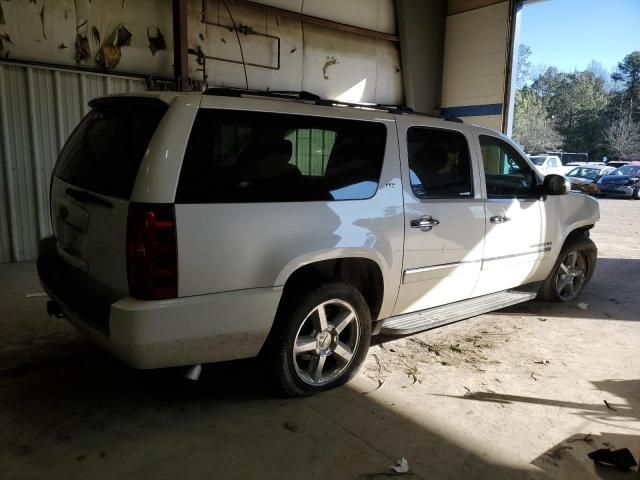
(240, 157)
(104, 152)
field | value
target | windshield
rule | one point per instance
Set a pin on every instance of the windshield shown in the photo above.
(538, 160)
(631, 170)
(590, 173)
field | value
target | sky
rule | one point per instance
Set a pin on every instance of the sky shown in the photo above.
(569, 34)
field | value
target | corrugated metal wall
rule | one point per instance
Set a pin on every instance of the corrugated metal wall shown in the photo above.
(39, 107)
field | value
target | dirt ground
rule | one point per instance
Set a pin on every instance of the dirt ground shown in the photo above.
(525, 392)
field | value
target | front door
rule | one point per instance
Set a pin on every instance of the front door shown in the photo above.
(444, 216)
(517, 239)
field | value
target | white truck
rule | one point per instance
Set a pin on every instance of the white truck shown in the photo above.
(195, 228)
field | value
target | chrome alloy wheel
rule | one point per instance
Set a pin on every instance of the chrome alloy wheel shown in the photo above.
(326, 342)
(571, 275)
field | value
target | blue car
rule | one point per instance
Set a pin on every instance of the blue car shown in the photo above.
(622, 182)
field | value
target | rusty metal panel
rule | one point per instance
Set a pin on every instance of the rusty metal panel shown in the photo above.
(39, 108)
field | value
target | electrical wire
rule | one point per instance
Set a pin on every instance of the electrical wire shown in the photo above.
(235, 29)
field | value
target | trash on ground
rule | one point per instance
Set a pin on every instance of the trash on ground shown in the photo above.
(622, 459)
(543, 362)
(609, 406)
(583, 306)
(402, 466)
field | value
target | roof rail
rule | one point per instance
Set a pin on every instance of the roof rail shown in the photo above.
(304, 96)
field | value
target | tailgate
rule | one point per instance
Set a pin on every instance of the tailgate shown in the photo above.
(92, 185)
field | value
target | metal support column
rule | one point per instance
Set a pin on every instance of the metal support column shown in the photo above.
(180, 46)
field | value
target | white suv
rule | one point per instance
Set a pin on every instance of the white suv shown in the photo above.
(193, 228)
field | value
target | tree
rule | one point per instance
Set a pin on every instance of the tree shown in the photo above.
(623, 139)
(628, 74)
(578, 103)
(532, 128)
(524, 65)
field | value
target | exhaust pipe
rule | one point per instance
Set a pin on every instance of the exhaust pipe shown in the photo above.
(193, 373)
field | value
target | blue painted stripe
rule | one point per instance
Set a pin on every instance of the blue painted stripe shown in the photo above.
(472, 110)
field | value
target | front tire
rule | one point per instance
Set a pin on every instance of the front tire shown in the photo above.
(636, 194)
(320, 338)
(571, 272)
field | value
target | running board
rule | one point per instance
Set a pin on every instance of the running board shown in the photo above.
(453, 312)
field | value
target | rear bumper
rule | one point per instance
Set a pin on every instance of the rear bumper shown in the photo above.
(166, 333)
(616, 191)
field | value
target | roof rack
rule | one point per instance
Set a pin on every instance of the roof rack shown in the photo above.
(308, 97)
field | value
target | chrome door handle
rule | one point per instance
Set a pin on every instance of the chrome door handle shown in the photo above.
(425, 223)
(499, 219)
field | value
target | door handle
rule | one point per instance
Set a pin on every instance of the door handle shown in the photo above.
(425, 223)
(499, 219)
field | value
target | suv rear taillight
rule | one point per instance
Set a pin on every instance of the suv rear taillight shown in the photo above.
(152, 251)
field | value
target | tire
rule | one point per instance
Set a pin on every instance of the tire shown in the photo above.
(578, 255)
(636, 194)
(326, 357)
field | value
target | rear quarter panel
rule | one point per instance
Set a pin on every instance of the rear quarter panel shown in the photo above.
(234, 246)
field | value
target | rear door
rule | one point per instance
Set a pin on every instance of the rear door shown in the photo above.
(444, 215)
(520, 225)
(93, 181)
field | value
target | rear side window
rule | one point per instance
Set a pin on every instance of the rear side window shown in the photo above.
(104, 152)
(439, 163)
(239, 157)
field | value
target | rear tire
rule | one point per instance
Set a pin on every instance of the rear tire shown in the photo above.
(571, 272)
(320, 338)
(636, 194)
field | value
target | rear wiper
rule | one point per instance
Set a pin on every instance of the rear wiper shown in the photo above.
(87, 197)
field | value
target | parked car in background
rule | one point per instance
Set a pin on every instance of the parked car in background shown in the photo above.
(617, 163)
(583, 177)
(570, 166)
(622, 182)
(547, 164)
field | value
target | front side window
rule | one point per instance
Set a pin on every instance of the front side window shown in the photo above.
(240, 157)
(439, 163)
(507, 174)
(590, 173)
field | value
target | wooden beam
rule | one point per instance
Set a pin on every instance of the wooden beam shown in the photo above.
(315, 20)
(180, 46)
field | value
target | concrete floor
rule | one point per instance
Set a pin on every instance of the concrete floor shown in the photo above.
(508, 395)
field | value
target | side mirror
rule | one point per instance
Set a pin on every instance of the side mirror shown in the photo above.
(555, 185)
